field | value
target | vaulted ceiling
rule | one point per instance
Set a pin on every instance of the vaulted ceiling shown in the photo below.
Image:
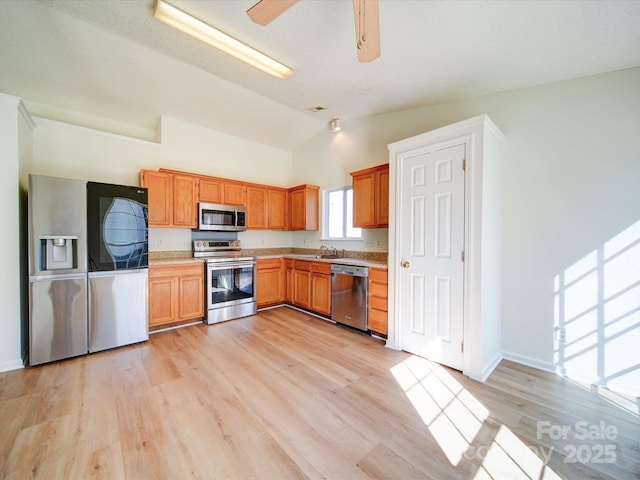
(110, 59)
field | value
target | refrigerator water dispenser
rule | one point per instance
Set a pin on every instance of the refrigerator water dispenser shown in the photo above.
(58, 252)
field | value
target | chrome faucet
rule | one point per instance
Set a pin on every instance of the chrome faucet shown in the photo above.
(334, 252)
(324, 250)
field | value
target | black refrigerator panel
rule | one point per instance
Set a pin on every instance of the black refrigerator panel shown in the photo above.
(117, 227)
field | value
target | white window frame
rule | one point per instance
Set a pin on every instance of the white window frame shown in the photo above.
(325, 216)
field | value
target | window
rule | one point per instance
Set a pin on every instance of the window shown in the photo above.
(337, 210)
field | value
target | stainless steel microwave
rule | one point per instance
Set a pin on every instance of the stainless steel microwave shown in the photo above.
(222, 218)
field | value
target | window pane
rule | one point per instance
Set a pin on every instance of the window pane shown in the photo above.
(351, 230)
(336, 210)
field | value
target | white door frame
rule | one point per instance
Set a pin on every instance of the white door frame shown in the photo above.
(483, 264)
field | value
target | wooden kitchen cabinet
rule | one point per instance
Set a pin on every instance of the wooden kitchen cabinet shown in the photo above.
(172, 198)
(378, 298)
(159, 187)
(277, 208)
(257, 208)
(185, 201)
(321, 288)
(308, 285)
(219, 190)
(270, 282)
(304, 205)
(289, 287)
(302, 284)
(234, 193)
(176, 294)
(371, 197)
(266, 208)
(211, 190)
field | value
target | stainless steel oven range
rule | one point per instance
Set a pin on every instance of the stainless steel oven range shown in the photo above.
(231, 280)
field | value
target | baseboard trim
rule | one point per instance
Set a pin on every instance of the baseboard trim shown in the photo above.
(488, 370)
(531, 362)
(11, 365)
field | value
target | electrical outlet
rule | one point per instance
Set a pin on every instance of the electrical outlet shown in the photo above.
(159, 242)
(561, 334)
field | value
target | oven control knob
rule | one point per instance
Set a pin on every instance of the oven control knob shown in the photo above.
(235, 243)
(198, 244)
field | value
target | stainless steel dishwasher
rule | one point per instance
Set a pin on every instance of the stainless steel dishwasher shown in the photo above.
(349, 289)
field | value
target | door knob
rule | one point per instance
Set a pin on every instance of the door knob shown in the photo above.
(405, 264)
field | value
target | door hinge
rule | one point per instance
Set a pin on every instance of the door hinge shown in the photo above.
(464, 164)
(462, 347)
(462, 256)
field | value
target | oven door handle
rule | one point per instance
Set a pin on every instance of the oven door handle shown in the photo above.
(227, 266)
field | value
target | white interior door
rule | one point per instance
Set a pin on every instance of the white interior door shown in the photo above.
(432, 241)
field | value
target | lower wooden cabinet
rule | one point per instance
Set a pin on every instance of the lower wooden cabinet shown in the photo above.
(176, 294)
(378, 298)
(270, 282)
(288, 267)
(302, 284)
(311, 287)
(321, 288)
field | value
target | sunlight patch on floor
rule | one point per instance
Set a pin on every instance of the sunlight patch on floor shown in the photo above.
(508, 457)
(455, 418)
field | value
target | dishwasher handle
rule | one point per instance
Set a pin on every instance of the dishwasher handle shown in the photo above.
(353, 270)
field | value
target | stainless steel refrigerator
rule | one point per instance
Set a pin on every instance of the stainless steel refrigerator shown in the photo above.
(88, 257)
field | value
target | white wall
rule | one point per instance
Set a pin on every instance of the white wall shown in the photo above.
(67, 151)
(571, 186)
(10, 337)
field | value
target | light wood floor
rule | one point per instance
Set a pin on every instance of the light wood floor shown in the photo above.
(285, 395)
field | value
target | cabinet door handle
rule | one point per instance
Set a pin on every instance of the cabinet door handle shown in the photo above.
(405, 264)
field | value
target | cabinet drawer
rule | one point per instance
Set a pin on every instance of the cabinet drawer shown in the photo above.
(266, 263)
(161, 271)
(378, 303)
(288, 263)
(378, 275)
(321, 267)
(303, 265)
(378, 290)
(378, 321)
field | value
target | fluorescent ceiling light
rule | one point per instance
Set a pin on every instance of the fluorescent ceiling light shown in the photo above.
(184, 22)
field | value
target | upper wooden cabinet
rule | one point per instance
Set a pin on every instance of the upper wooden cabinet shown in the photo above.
(371, 197)
(266, 208)
(235, 193)
(172, 198)
(211, 190)
(185, 201)
(257, 210)
(159, 187)
(277, 209)
(219, 190)
(304, 207)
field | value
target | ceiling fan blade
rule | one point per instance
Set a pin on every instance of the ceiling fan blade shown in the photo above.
(365, 13)
(266, 11)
